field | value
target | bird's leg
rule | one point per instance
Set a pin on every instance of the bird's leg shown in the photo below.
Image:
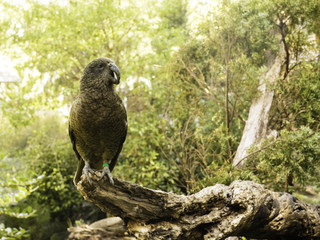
(87, 169)
(106, 172)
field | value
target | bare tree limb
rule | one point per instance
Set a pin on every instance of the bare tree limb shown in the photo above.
(244, 208)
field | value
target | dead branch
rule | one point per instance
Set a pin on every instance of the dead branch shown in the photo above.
(244, 208)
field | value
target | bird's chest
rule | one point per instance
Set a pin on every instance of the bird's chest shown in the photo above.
(99, 117)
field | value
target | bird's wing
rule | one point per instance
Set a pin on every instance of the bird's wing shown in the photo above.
(73, 141)
(114, 159)
(78, 174)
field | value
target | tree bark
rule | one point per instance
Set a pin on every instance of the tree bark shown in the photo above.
(242, 209)
(256, 127)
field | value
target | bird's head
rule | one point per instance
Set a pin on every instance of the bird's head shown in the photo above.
(100, 72)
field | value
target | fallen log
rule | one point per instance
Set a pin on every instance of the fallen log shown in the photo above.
(244, 208)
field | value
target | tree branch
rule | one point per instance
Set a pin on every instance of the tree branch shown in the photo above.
(242, 209)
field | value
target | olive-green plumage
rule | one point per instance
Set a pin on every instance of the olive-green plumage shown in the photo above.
(98, 120)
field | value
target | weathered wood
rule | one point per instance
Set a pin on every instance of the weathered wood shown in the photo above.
(109, 228)
(242, 209)
(256, 128)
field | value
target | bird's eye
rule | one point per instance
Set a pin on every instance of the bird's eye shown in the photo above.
(101, 65)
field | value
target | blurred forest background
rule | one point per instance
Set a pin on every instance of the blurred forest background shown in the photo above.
(190, 70)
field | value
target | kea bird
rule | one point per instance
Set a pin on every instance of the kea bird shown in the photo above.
(98, 120)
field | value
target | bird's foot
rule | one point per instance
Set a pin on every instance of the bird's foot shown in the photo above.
(87, 169)
(106, 172)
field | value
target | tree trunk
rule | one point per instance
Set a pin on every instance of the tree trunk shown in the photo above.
(256, 127)
(227, 111)
(242, 209)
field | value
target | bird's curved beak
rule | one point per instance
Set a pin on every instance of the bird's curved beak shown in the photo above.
(116, 73)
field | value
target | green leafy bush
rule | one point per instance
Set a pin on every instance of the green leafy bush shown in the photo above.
(13, 188)
(292, 158)
(49, 157)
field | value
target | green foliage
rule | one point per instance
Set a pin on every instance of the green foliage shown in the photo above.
(49, 157)
(297, 101)
(171, 30)
(12, 190)
(292, 158)
(44, 160)
(143, 162)
(213, 77)
(55, 41)
(12, 233)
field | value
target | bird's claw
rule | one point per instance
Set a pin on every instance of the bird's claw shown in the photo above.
(87, 169)
(106, 172)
